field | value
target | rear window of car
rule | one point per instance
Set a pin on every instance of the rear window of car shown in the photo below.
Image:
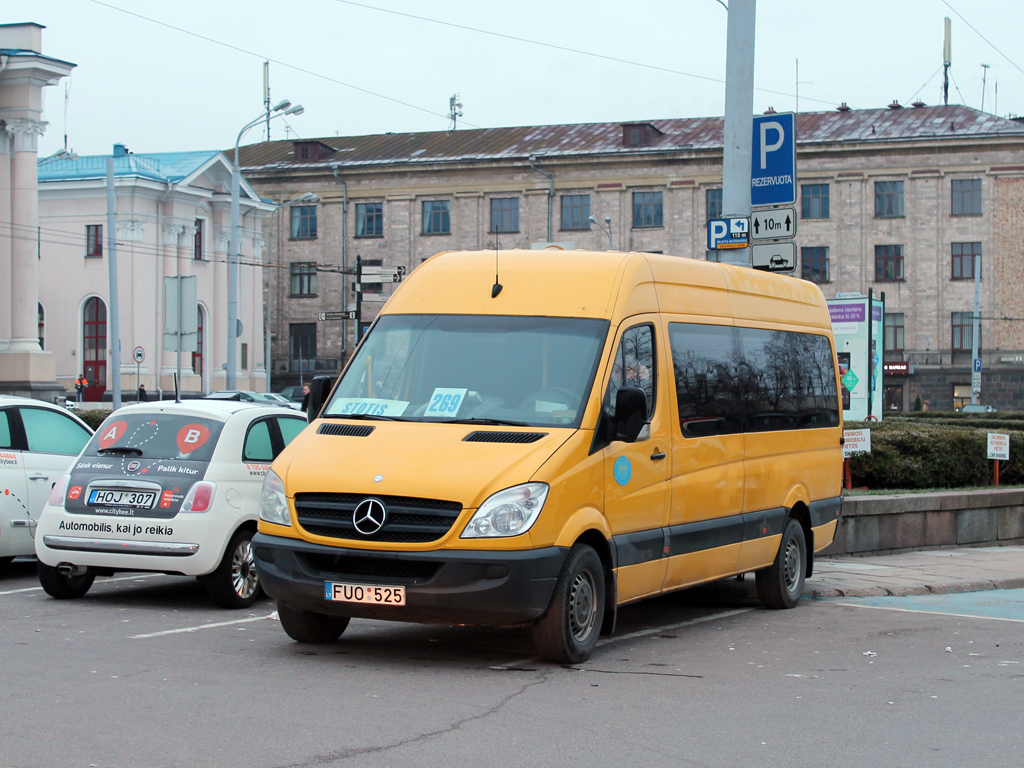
(157, 435)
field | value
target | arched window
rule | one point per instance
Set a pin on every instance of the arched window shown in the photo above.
(197, 356)
(94, 348)
(42, 318)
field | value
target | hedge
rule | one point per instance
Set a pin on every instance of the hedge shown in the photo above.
(938, 452)
(93, 417)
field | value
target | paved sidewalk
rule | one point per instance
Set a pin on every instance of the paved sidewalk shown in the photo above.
(940, 571)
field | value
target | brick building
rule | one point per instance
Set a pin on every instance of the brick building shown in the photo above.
(896, 200)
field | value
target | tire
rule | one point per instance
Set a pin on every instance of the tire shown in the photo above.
(569, 631)
(62, 587)
(781, 584)
(235, 584)
(5, 561)
(310, 627)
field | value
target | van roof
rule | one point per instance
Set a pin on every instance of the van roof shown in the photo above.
(590, 284)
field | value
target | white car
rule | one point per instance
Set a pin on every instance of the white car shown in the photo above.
(38, 442)
(165, 487)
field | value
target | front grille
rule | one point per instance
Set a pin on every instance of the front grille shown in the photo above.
(410, 520)
(347, 430)
(346, 566)
(503, 437)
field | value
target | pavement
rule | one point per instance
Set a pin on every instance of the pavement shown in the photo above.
(931, 572)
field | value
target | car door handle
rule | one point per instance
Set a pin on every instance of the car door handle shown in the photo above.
(658, 456)
(38, 477)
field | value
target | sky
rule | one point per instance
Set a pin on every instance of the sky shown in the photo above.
(188, 75)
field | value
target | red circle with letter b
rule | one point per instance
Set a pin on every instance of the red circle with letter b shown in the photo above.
(191, 437)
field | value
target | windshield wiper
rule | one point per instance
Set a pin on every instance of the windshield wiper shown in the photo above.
(477, 420)
(121, 449)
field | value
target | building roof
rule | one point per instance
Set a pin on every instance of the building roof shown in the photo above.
(165, 167)
(678, 135)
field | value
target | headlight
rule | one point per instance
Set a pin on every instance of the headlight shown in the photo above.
(508, 513)
(273, 502)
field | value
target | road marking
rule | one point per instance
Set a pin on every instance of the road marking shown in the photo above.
(98, 583)
(645, 632)
(182, 630)
(930, 613)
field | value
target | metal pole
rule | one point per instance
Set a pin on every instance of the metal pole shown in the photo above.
(177, 367)
(236, 179)
(976, 328)
(739, 124)
(870, 368)
(115, 326)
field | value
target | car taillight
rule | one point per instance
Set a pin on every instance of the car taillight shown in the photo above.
(199, 498)
(57, 494)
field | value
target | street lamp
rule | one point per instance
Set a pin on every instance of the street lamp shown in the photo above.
(282, 109)
(607, 231)
(60, 154)
(308, 197)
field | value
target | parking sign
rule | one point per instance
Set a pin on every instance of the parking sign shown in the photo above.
(773, 164)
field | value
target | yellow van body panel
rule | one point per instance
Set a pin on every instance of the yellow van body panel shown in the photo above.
(586, 519)
(640, 580)
(824, 535)
(706, 565)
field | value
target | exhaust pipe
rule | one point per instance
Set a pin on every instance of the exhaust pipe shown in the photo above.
(70, 569)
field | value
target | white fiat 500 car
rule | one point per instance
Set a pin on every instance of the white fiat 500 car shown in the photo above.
(166, 487)
(38, 442)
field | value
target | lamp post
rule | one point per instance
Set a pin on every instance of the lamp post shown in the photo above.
(308, 197)
(284, 108)
(607, 231)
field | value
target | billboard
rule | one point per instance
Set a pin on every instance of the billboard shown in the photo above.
(858, 333)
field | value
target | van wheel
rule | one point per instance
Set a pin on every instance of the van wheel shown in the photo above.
(310, 627)
(781, 584)
(572, 626)
(62, 587)
(235, 583)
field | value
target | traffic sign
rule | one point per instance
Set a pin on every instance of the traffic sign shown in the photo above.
(977, 365)
(389, 278)
(138, 354)
(773, 224)
(773, 164)
(378, 271)
(774, 257)
(343, 315)
(998, 446)
(728, 233)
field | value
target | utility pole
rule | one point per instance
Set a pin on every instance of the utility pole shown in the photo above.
(947, 57)
(984, 79)
(739, 125)
(976, 333)
(115, 326)
(266, 94)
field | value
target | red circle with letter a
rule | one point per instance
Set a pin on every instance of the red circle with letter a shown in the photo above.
(191, 437)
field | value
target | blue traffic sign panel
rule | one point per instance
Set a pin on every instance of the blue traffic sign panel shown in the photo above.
(977, 365)
(773, 164)
(728, 233)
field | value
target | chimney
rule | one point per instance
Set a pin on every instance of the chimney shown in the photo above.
(120, 150)
(895, 105)
(842, 108)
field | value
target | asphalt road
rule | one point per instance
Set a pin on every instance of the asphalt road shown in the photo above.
(144, 671)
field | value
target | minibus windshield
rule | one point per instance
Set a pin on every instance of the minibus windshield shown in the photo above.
(531, 371)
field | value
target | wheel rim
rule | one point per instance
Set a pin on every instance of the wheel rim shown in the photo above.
(243, 570)
(794, 566)
(582, 606)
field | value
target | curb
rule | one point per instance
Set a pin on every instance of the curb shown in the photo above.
(953, 587)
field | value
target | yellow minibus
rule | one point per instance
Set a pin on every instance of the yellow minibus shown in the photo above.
(539, 437)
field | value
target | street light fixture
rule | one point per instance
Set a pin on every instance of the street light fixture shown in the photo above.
(60, 154)
(607, 231)
(282, 109)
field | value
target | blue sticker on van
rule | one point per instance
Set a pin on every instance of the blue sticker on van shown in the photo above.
(623, 470)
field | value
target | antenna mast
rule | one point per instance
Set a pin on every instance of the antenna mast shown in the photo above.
(947, 57)
(984, 77)
(266, 94)
(454, 111)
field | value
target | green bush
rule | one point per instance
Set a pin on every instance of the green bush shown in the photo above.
(937, 453)
(93, 417)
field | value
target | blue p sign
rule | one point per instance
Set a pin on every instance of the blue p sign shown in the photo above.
(718, 229)
(773, 165)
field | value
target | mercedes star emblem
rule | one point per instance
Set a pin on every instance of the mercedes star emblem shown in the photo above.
(369, 516)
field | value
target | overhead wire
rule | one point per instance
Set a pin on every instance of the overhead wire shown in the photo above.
(973, 29)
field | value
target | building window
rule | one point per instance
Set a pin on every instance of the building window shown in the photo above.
(888, 263)
(889, 199)
(963, 332)
(436, 217)
(93, 240)
(370, 220)
(575, 211)
(42, 324)
(966, 197)
(963, 260)
(505, 214)
(303, 278)
(94, 347)
(245, 356)
(713, 197)
(198, 241)
(814, 201)
(894, 332)
(961, 396)
(303, 222)
(302, 346)
(197, 356)
(647, 209)
(814, 264)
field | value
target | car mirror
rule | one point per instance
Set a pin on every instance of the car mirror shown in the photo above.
(319, 389)
(630, 414)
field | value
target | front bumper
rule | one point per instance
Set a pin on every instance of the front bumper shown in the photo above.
(497, 588)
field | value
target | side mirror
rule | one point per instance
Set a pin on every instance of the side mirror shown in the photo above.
(630, 414)
(319, 389)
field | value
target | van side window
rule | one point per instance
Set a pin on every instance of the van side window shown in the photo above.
(258, 445)
(731, 380)
(633, 366)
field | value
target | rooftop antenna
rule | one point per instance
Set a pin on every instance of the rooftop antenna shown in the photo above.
(496, 288)
(67, 96)
(798, 83)
(454, 111)
(266, 94)
(947, 58)
(984, 77)
(177, 393)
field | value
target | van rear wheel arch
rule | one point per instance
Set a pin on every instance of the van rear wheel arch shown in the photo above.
(596, 540)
